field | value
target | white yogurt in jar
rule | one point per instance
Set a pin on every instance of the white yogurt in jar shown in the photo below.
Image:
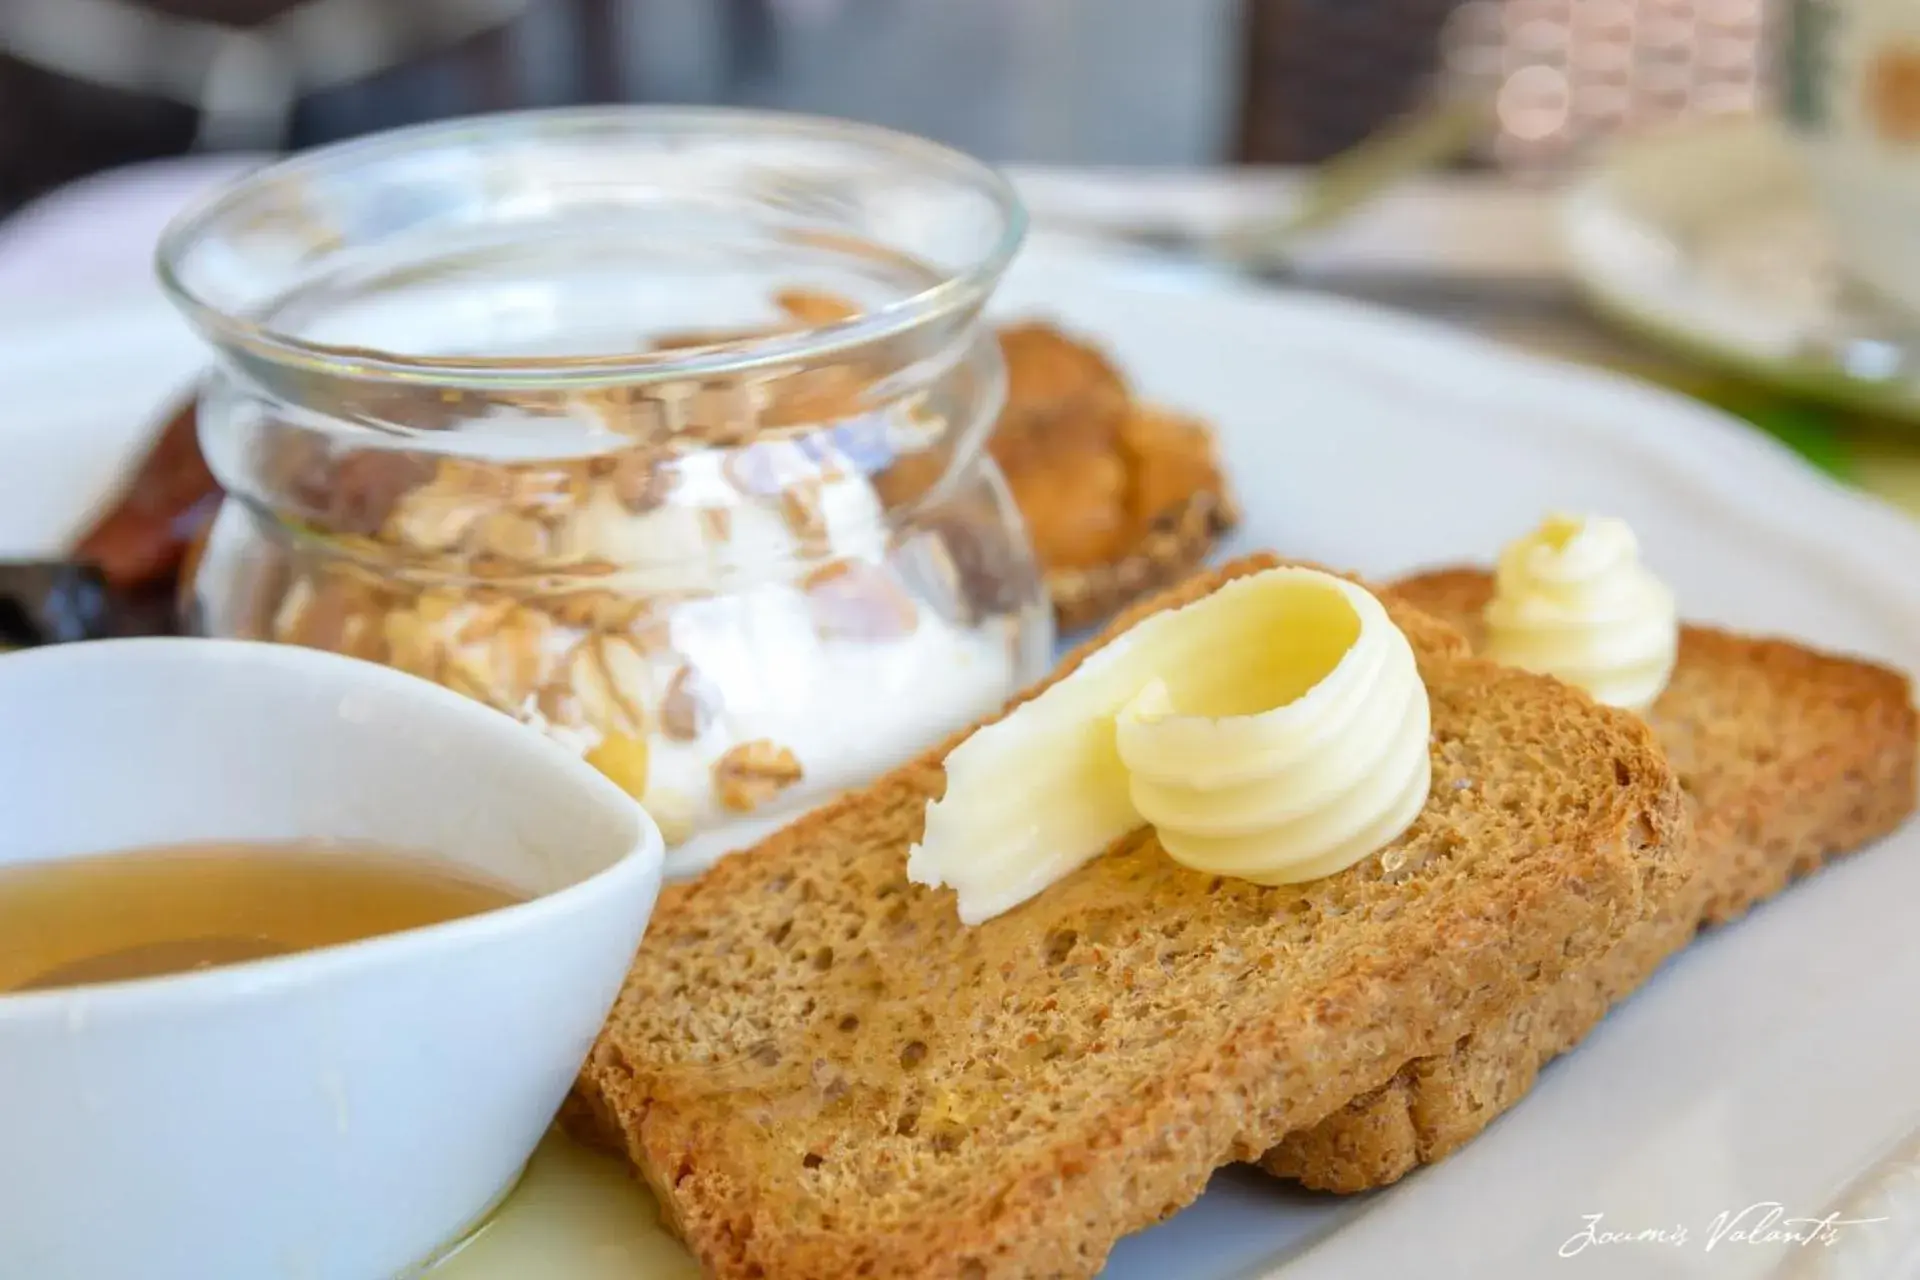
(848, 709)
(847, 706)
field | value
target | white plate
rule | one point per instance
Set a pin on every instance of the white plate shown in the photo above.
(1705, 237)
(81, 394)
(1773, 1062)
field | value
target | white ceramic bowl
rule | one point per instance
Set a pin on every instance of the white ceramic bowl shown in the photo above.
(333, 1115)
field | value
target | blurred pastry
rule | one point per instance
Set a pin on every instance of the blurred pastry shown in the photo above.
(1120, 497)
(168, 503)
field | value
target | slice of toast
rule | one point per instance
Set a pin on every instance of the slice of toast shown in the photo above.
(822, 1073)
(1788, 757)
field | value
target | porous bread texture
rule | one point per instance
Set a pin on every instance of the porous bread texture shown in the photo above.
(1434, 1105)
(821, 1073)
(1788, 757)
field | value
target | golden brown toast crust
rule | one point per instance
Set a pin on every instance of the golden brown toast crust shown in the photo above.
(822, 1073)
(1788, 756)
(1435, 1105)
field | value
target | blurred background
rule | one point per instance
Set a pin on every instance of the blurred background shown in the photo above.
(87, 84)
(1193, 113)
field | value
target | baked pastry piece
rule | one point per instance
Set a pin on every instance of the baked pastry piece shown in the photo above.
(1788, 756)
(822, 1073)
(1120, 497)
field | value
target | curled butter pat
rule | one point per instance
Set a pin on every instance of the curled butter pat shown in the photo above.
(1296, 762)
(1274, 730)
(1572, 600)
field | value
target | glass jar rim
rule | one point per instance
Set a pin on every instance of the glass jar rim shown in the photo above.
(964, 286)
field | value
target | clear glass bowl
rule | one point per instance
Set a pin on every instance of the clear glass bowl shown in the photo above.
(660, 430)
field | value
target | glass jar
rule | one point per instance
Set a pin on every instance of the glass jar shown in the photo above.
(659, 430)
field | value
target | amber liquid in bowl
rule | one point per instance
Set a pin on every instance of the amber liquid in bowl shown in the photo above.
(73, 922)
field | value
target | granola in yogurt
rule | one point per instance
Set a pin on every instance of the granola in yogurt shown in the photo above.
(618, 602)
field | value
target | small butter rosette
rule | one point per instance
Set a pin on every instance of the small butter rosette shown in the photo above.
(1572, 600)
(1275, 730)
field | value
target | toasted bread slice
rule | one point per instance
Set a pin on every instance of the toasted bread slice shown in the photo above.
(1788, 757)
(822, 1073)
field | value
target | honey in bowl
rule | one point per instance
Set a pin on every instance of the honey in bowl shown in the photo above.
(151, 912)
